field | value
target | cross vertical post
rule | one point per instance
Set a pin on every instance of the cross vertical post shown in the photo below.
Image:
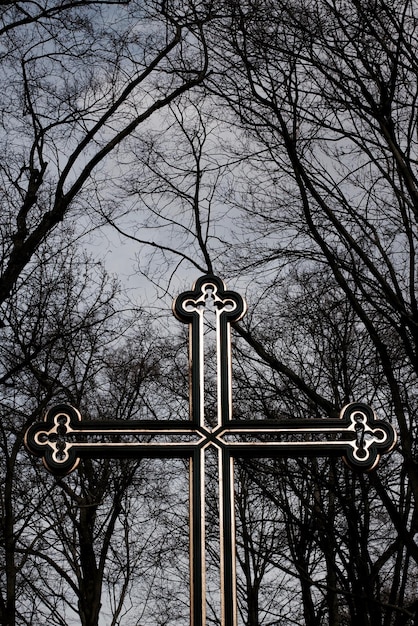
(62, 439)
(230, 307)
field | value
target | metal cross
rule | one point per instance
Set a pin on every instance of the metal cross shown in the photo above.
(62, 439)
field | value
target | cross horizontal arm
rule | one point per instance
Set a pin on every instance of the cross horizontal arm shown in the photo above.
(63, 438)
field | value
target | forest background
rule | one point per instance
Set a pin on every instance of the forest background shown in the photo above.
(273, 143)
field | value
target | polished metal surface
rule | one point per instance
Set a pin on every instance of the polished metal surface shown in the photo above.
(63, 438)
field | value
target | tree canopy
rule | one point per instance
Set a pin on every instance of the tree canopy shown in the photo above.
(273, 143)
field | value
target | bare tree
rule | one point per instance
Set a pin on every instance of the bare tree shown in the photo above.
(77, 79)
(71, 547)
(291, 167)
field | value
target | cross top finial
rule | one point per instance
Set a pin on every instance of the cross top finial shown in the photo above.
(189, 307)
(229, 303)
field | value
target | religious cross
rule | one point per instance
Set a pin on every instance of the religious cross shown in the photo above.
(62, 439)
